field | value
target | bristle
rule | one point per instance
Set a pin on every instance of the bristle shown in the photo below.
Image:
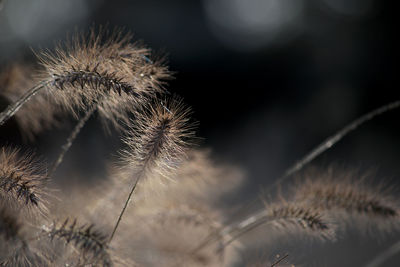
(22, 181)
(159, 137)
(90, 242)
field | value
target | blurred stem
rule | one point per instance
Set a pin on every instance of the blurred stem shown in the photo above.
(385, 255)
(72, 137)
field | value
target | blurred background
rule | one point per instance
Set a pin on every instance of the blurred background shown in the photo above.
(267, 79)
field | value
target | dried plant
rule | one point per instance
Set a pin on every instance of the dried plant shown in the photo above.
(158, 138)
(345, 193)
(175, 220)
(108, 71)
(157, 142)
(96, 72)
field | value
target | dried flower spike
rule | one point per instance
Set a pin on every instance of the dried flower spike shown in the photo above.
(158, 138)
(293, 217)
(97, 68)
(22, 182)
(335, 190)
(157, 142)
(93, 68)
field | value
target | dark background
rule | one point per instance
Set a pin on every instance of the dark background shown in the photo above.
(267, 79)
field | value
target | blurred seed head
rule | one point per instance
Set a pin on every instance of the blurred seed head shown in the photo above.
(22, 182)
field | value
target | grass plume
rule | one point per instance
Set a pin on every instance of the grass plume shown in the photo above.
(94, 66)
(157, 141)
(290, 217)
(22, 181)
(346, 191)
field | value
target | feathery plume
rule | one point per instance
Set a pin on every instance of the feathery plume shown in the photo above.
(157, 142)
(22, 182)
(158, 138)
(291, 217)
(95, 69)
(287, 216)
(347, 191)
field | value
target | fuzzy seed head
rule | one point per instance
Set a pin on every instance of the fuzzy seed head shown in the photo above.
(159, 138)
(103, 69)
(341, 191)
(22, 182)
(310, 219)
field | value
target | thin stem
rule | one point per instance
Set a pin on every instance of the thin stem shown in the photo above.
(72, 137)
(385, 255)
(14, 107)
(124, 208)
(332, 140)
(245, 226)
(324, 146)
(279, 260)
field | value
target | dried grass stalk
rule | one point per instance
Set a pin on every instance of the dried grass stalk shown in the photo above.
(157, 141)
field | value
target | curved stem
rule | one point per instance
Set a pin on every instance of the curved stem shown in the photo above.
(385, 255)
(332, 140)
(324, 146)
(72, 137)
(14, 107)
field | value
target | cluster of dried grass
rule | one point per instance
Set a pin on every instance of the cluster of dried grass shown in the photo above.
(173, 219)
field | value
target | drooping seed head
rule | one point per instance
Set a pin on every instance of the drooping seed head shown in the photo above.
(346, 191)
(350, 199)
(104, 69)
